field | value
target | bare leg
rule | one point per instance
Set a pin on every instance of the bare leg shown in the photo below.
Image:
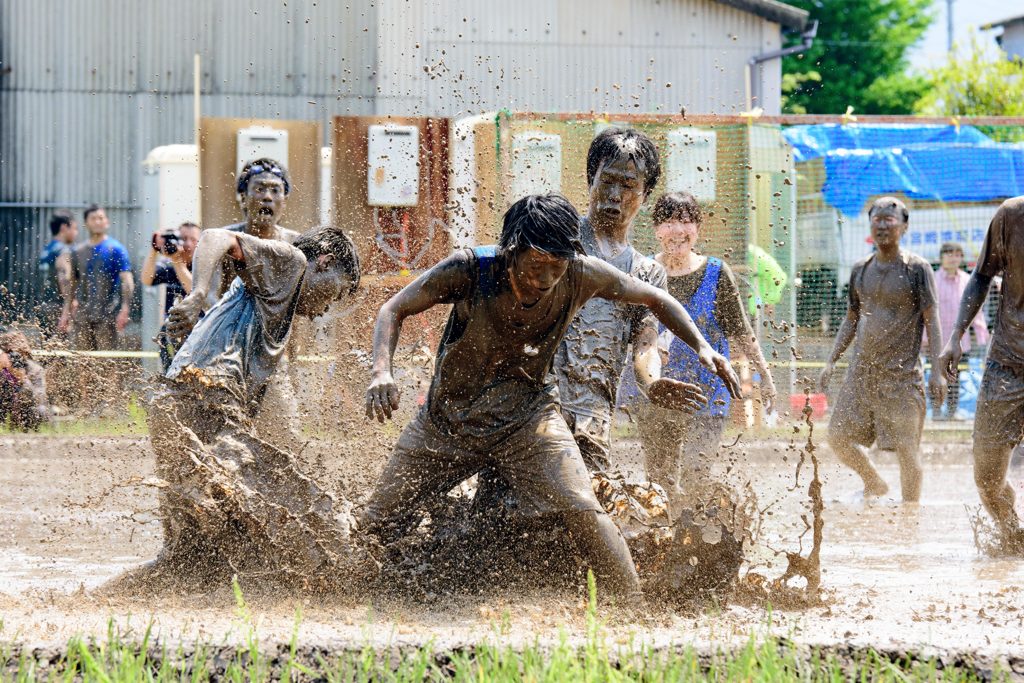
(910, 472)
(854, 457)
(605, 551)
(990, 465)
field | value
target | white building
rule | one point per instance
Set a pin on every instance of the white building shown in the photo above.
(1011, 40)
(88, 87)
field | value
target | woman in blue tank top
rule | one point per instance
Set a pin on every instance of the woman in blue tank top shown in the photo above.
(680, 448)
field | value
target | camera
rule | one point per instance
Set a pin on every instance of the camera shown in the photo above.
(172, 242)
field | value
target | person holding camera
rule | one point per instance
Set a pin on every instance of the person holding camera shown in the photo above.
(169, 263)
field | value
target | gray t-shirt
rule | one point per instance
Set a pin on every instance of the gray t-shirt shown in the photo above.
(590, 360)
(1002, 253)
(238, 343)
(890, 300)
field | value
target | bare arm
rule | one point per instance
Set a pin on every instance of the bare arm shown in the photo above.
(970, 303)
(127, 289)
(439, 285)
(615, 285)
(646, 358)
(64, 275)
(847, 331)
(936, 382)
(148, 272)
(214, 245)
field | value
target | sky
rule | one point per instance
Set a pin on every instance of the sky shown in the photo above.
(966, 13)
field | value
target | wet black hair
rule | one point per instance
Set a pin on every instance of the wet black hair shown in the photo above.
(890, 205)
(612, 143)
(92, 208)
(328, 239)
(546, 222)
(677, 206)
(950, 247)
(262, 165)
(59, 220)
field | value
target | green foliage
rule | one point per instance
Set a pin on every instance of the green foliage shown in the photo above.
(978, 81)
(859, 58)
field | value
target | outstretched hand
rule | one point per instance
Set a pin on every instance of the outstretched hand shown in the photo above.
(719, 364)
(676, 395)
(184, 315)
(382, 397)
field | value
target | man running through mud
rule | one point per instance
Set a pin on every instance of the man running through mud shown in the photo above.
(230, 499)
(891, 301)
(262, 189)
(492, 401)
(999, 415)
(622, 171)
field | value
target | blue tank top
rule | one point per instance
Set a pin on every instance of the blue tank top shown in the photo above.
(682, 360)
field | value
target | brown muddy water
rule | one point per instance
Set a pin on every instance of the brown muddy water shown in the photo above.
(75, 513)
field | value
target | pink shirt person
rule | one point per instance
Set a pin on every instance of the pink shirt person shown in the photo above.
(950, 287)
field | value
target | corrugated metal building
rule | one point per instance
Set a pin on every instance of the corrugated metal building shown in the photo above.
(88, 87)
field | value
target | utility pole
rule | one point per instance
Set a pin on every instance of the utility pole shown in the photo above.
(949, 26)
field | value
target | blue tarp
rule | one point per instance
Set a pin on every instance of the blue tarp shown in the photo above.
(922, 162)
(949, 173)
(811, 142)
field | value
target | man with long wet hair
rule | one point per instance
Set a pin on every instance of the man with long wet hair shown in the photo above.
(493, 402)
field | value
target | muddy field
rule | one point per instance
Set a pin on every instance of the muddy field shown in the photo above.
(76, 512)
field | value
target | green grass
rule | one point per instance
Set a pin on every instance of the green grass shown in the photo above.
(120, 657)
(131, 423)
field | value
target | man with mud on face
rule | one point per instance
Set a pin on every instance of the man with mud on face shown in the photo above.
(891, 301)
(231, 499)
(262, 188)
(492, 402)
(622, 171)
(999, 416)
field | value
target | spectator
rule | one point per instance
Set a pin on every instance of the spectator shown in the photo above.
(55, 271)
(950, 283)
(23, 402)
(101, 287)
(174, 271)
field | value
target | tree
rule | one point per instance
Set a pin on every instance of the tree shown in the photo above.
(858, 59)
(981, 82)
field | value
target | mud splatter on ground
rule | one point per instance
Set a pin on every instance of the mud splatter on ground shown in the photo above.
(891, 575)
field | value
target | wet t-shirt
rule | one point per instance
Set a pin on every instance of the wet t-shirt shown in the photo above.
(241, 339)
(590, 360)
(228, 267)
(890, 300)
(1002, 253)
(728, 307)
(493, 369)
(97, 270)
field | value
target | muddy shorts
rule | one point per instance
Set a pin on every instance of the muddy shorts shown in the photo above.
(541, 463)
(869, 408)
(999, 416)
(679, 448)
(95, 335)
(593, 436)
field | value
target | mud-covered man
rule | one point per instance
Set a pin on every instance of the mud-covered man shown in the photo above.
(622, 171)
(891, 302)
(262, 190)
(231, 499)
(492, 402)
(999, 416)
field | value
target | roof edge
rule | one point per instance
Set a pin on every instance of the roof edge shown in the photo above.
(1002, 22)
(773, 10)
